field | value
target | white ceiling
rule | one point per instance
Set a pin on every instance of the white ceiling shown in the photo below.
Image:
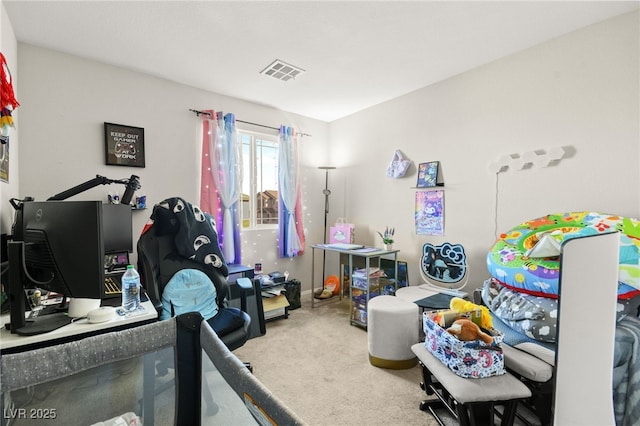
(356, 53)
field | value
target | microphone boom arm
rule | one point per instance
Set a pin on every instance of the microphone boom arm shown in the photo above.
(132, 184)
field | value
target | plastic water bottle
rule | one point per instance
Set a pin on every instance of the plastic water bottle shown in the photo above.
(130, 289)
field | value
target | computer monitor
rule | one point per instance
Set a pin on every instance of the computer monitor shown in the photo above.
(117, 233)
(61, 250)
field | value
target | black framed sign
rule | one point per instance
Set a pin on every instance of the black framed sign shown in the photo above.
(123, 145)
(429, 175)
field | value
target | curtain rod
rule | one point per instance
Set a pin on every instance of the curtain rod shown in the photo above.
(198, 113)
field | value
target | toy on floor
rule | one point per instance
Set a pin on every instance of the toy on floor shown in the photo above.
(466, 330)
(332, 283)
(331, 287)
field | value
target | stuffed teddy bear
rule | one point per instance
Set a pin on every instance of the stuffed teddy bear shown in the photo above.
(466, 330)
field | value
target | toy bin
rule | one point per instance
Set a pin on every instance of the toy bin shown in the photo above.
(361, 282)
(473, 359)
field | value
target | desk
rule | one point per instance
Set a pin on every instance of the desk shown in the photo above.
(14, 343)
(242, 270)
(367, 256)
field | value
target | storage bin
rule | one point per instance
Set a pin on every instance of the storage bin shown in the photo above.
(472, 359)
(361, 282)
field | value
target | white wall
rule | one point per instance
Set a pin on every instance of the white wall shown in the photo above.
(65, 101)
(9, 48)
(580, 91)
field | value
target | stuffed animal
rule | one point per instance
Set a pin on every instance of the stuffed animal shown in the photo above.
(460, 305)
(466, 330)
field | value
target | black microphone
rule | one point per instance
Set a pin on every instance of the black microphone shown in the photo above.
(132, 186)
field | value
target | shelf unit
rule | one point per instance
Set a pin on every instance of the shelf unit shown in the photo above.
(364, 287)
(275, 305)
(362, 290)
(347, 257)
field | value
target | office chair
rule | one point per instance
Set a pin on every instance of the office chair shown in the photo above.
(158, 261)
(164, 249)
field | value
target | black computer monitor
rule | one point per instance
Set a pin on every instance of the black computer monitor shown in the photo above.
(61, 250)
(117, 233)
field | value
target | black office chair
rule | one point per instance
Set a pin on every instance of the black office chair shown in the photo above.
(181, 236)
(158, 261)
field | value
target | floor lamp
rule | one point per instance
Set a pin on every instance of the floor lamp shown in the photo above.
(326, 191)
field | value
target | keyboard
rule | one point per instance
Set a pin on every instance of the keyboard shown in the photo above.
(112, 285)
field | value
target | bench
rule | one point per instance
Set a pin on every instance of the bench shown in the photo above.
(471, 401)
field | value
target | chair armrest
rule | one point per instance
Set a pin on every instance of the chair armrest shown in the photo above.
(249, 300)
(244, 283)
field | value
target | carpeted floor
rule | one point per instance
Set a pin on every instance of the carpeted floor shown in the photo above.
(318, 365)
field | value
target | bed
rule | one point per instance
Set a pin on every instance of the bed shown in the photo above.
(532, 321)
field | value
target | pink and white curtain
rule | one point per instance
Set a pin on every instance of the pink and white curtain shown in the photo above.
(221, 179)
(291, 231)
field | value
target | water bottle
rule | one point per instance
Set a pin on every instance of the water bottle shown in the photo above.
(130, 289)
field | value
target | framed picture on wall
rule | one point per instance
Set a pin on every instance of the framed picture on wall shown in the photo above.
(428, 174)
(123, 145)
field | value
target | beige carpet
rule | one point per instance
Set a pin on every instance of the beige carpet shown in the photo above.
(318, 365)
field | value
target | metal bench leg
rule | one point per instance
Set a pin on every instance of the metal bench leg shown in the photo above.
(478, 413)
(463, 414)
(509, 413)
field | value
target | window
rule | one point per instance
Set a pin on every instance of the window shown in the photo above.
(259, 180)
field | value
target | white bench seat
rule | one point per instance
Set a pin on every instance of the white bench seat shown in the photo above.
(471, 401)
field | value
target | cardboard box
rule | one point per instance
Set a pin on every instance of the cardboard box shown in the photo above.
(474, 359)
(273, 303)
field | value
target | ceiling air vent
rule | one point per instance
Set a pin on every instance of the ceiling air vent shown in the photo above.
(282, 70)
